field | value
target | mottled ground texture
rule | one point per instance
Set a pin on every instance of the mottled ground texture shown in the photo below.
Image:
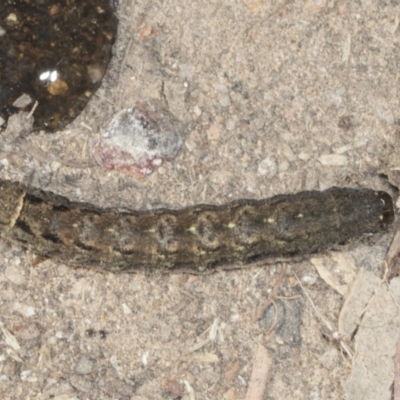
(274, 97)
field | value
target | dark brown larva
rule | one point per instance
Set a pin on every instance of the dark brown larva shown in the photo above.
(195, 238)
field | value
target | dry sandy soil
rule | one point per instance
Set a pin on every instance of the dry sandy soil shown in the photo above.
(275, 97)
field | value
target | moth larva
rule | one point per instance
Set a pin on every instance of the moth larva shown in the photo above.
(194, 238)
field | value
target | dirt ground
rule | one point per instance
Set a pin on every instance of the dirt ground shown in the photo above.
(275, 97)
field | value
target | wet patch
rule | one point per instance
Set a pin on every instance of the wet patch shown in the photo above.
(53, 54)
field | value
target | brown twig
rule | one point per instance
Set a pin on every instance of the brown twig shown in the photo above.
(271, 298)
(259, 375)
(335, 335)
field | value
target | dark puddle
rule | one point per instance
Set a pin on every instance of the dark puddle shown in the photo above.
(56, 52)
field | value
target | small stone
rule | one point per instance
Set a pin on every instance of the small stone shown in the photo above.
(309, 279)
(224, 100)
(284, 166)
(197, 110)
(15, 274)
(304, 156)
(11, 18)
(268, 167)
(30, 311)
(126, 309)
(333, 159)
(19, 125)
(23, 101)
(84, 366)
(139, 140)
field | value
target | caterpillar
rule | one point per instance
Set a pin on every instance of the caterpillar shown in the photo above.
(196, 238)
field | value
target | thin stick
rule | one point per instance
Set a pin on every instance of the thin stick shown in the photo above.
(259, 374)
(35, 104)
(272, 296)
(336, 335)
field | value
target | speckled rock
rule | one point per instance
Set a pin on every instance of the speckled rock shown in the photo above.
(138, 140)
